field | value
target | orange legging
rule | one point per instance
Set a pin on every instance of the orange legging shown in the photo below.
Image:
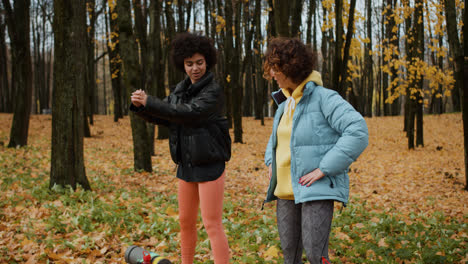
(209, 195)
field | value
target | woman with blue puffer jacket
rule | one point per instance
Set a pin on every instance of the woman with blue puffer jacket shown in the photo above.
(316, 136)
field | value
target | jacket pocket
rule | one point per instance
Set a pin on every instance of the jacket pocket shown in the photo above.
(332, 181)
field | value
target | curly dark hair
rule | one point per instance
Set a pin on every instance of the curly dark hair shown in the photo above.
(289, 56)
(186, 44)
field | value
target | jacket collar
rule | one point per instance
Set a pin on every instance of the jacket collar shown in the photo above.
(279, 97)
(186, 86)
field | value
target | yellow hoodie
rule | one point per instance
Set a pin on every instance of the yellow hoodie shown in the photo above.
(283, 152)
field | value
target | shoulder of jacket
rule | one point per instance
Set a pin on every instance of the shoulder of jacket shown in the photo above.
(212, 86)
(325, 93)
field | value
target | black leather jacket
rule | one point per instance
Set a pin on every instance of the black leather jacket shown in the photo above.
(199, 133)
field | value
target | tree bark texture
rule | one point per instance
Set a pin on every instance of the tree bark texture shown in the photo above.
(5, 89)
(465, 93)
(326, 71)
(419, 27)
(157, 67)
(247, 63)
(229, 59)
(237, 87)
(281, 20)
(67, 163)
(338, 60)
(132, 82)
(260, 83)
(347, 46)
(90, 88)
(456, 50)
(18, 29)
(115, 65)
(369, 64)
(296, 17)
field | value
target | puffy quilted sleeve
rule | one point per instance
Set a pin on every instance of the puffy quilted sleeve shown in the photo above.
(352, 127)
(145, 115)
(199, 110)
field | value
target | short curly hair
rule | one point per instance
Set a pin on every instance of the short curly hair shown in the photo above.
(289, 56)
(185, 45)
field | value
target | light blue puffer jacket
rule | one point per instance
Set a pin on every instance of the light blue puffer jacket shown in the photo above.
(327, 133)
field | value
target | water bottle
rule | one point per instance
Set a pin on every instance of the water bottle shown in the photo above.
(138, 255)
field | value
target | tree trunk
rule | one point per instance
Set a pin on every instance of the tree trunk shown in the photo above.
(259, 96)
(415, 89)
(157, 68)
(408, 47)
(349, 36)
(310, 13)
(271, 32)
(341, 70)
(338, 60)
(174, 75)
(456, 51)
(281, 14)
(419, 27)
(90, 88)
(67, 163)
(181, 18)
(18, 29)
(5, 91)
(104, 80)
(388, 21)
(395, 44)
(465, 94)
(296, 17)
(189, 14)
(44, 89)
(146, 60)
(312, 30)
(36, 58)
(218, 34)
(247, 64)
(325, 54)
(213, 34)
(207, 15)
(460, 51)
(236, 76)
(368, 71)
(132, 82)
(113, 49)
(229, 59)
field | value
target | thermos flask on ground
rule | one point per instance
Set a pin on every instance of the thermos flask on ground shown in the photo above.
(135, 254)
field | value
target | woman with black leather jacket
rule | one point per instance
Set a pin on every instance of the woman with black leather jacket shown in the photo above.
(199, 141)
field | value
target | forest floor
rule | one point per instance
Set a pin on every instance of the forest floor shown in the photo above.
(406, 206)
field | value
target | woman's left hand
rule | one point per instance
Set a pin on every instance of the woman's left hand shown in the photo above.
(139, 98)
(311, 177)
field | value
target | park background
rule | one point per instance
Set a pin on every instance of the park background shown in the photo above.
(81, 178)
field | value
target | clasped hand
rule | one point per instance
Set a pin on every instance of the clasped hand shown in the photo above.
(311, 177)
(307, 179)
(139, 98)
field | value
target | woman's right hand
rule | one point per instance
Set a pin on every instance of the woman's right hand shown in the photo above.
(269, 172)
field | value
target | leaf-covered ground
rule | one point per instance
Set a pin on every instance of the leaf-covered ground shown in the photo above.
(406, 206)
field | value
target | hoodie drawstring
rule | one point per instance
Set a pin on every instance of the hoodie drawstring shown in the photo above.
(290, 105)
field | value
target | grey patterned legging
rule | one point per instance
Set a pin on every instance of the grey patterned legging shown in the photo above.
(304, 226)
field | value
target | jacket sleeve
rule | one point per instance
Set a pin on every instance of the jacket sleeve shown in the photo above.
(142, 113)
(198, 110)
(352, 127)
